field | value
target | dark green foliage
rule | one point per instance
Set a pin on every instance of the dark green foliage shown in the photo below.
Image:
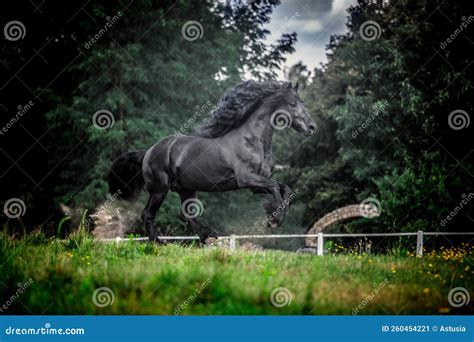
(383, 106)
(142, 70)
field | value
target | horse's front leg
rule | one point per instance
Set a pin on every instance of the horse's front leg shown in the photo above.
(285, 193)
(274, 205)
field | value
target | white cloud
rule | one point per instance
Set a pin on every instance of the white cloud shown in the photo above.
(314, 22)
(308, 26)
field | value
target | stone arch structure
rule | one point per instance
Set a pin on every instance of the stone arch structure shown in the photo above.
(368, 210)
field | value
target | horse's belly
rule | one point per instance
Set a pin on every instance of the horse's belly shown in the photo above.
(206, 178)
(200, 164)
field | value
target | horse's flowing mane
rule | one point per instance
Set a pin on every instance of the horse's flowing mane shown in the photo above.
(233, 106)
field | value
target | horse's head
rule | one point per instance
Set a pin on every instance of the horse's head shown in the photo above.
(292, 113)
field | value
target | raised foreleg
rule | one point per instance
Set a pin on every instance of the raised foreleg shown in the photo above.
(274, 205)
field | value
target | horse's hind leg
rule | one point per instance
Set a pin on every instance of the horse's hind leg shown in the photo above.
(154, 204)
(191, 208)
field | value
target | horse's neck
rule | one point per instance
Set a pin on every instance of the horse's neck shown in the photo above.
(258, 127)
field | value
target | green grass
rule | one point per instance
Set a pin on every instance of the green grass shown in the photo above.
(150, 279)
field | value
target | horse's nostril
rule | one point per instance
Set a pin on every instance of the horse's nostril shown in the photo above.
(312, 128)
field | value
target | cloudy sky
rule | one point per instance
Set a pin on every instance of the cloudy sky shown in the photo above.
(314, 21)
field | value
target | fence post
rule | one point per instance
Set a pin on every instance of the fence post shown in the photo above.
(419, 244)
(232, 242)
(320, 244)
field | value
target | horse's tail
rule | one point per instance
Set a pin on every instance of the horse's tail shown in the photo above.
(125, 177)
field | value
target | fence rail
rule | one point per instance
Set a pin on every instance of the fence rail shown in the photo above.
(232, 239)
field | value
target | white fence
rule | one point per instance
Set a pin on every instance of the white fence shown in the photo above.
(231, 240)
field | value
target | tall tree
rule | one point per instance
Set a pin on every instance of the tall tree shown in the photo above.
(132, 74)
(385, 99)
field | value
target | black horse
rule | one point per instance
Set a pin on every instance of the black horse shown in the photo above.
(233, 150)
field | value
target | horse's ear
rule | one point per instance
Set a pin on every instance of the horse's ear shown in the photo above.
(296, 86)
(290, 85)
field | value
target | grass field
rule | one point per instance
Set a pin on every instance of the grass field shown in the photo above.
(47, 276)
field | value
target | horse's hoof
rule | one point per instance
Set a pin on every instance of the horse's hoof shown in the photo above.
(155, 240)
(206, 241)
(272, 224)
(211, 241)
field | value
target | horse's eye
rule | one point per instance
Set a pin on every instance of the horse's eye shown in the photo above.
(293, 104)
